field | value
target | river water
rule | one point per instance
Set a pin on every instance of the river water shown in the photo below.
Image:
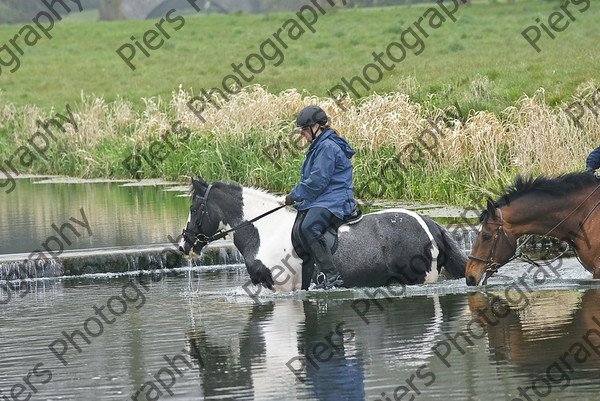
(204, 333)
(196, 333)
(117, 214)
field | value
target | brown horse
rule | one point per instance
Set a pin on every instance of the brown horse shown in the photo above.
(563, 207)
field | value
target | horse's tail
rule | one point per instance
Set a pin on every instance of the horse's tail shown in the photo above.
(451, 255)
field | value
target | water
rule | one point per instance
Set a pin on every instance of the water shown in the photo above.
(117, 214)
(197, 333)
(337, 345)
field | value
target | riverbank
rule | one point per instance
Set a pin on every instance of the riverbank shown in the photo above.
(405, 150)
(450, 124)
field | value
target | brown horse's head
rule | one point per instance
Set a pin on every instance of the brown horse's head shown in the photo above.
(493, 247)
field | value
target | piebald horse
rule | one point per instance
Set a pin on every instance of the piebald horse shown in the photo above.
(565, 207)
(394, 246)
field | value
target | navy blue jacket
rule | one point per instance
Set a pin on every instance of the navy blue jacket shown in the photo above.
(327, 176)
(593, 160)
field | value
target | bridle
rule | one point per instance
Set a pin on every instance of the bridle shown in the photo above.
(194, 239)
(188, 235)
(491, 265)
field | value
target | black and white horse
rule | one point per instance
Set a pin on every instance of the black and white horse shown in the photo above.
(387, 247)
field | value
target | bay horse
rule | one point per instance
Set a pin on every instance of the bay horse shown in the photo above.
(394, 246)
(563, 207)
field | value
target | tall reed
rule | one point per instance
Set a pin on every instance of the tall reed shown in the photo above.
(231, 141)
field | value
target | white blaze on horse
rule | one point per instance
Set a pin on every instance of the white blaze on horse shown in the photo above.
(394, 246)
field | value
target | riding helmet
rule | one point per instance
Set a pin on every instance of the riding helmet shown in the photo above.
(311, 115)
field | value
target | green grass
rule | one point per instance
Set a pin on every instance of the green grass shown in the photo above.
(84, 16)
(481, 61)
(486, 40)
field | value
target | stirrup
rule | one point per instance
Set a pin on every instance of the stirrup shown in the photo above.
(321, 278)
(337, 282)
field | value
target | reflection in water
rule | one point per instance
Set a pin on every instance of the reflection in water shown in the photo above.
(302, 346)
(331, 363)
(118, 215)
(551, 336)
(320, 349)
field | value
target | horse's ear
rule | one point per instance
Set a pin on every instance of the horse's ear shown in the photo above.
(202, 182)
(491, 208)
(198, 185)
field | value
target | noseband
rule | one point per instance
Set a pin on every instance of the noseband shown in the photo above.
(491, 264)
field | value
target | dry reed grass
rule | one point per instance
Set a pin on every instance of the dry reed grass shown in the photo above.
(530, 137)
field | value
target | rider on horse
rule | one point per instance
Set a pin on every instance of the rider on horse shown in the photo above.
(326, 193)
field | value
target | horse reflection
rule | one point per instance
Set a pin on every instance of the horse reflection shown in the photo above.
(558, 331)
(318, 348)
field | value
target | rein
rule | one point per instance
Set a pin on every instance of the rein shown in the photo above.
(221, 233)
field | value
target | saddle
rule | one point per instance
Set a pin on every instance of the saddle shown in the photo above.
(331, 237)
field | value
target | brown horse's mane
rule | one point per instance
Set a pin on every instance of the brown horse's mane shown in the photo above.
(561, 185)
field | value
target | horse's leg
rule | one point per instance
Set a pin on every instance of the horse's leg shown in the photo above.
(259, 273)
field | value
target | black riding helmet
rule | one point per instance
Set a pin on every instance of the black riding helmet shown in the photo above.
(311, 115)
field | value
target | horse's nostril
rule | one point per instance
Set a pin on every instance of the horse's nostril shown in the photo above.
(181, 249)
(471, 280)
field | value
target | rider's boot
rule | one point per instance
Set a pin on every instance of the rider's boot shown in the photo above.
(324, 261)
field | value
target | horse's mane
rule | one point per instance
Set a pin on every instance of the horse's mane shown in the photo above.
(562, 185)
(216, 184)
(260, 191)
(219, 184)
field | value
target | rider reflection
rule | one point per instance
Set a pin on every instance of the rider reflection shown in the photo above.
(334, 370)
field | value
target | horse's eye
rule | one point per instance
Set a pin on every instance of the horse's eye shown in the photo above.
(486, 237)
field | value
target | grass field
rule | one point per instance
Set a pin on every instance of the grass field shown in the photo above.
(486, 41)
(480, 62)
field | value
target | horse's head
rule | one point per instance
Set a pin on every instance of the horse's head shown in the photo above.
(493, 247)
(201, 223)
